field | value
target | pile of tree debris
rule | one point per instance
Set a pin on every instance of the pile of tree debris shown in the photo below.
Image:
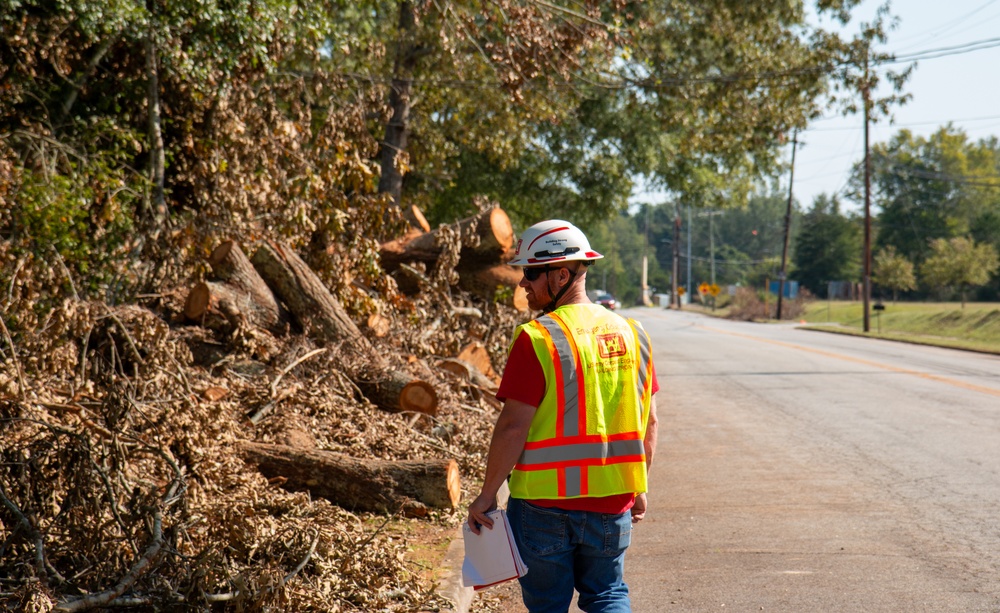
(236, 443)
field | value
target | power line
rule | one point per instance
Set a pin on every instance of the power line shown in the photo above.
(930, 54)
(669, 81)
(910, 124)
(942, 28)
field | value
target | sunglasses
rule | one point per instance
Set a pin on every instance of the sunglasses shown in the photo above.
(532, 274)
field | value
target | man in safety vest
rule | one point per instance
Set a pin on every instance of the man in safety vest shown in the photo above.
(576, 434)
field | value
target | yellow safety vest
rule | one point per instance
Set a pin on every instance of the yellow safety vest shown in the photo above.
(586, 438)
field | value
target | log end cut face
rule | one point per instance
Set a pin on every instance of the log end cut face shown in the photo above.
(419, 396)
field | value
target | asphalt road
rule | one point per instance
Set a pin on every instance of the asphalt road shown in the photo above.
(803, 471)
(800, 471)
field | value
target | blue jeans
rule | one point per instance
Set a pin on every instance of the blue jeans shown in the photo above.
(564, 550)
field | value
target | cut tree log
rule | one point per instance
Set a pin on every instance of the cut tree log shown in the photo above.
(306, 296)
(223, 308)
(232, 267)
(475, 353)
(319, 311)
(490, 281)
(395, 391)
(465, 371)
(359, 484)
(489, 233)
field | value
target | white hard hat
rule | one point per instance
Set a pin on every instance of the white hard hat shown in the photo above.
(554, 240)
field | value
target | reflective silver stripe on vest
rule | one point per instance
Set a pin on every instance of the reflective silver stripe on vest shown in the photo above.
(643, 358)
(574, 481)
(581, 451)
(571, 407)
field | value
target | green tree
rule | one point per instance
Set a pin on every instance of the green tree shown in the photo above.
(941, 186)
(690, 118)
(748, 239)
(828, 246)
(894, 271)
(959, 264)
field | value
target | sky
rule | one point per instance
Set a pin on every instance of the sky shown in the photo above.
(961, 88)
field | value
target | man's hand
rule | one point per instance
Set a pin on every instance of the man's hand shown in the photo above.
(639, 508)
(478, 512)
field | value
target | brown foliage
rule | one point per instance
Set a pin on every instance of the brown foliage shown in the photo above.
(118, 460)
(748, 305)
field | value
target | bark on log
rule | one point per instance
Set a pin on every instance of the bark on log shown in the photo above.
(356, 484)
(486, 281)
(315, 307)
(306, 296)
(490, 231)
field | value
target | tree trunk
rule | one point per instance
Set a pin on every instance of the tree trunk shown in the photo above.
(493, 281)
(157, 158)
(242, 286)
(319, 311)
(307, 298)
(486, 238)
(359, 484)
(396, 130)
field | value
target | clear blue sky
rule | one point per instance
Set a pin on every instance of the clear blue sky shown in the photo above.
(961, 88)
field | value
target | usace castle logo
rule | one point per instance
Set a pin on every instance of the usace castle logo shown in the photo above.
(611, 345)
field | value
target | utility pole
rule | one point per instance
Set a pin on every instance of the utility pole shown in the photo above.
(711, 241)
(711, 248)
(677, 261)
(867, 258)
(688, 277)
(645, 263)
(788, 224)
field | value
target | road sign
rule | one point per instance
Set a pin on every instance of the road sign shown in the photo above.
(714, 289)
(704, 288)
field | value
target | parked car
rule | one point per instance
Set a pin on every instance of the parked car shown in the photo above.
(607, 301)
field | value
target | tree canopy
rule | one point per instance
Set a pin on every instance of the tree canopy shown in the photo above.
(959, 264)
(941, 186)
(828, 246)
(134, 133)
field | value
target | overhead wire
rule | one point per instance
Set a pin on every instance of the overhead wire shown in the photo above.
(940, 29)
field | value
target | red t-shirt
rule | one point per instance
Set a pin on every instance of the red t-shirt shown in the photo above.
(524, 380)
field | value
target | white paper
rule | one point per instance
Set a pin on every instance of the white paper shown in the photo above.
(491, 556)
